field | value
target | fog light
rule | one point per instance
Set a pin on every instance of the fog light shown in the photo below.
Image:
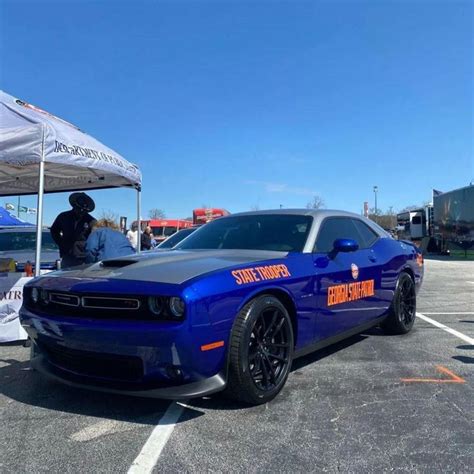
(35, 295)
(174, 372)
(177, 306)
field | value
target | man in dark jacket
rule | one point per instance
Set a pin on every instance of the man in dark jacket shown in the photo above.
(71, 229)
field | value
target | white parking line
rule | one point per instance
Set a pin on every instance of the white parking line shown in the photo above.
(462, 336)
(451, 312)
(148, 456)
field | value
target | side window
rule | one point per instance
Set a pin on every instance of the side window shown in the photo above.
(367, 235)
(335, 228)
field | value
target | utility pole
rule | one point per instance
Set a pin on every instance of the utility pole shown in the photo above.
(375, 193)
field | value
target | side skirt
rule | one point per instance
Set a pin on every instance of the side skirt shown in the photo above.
(338, 337)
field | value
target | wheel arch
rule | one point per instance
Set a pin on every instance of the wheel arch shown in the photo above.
(286, 300)
(409, 271)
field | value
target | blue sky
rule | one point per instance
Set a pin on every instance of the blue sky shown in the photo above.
(243, 104)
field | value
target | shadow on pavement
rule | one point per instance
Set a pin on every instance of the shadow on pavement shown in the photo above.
(221, 402)
(18, 382)
(464, 359)
(327, 351)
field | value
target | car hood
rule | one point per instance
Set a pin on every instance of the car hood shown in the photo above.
(174, 266)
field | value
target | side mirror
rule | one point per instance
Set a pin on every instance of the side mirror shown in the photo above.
(345, 245)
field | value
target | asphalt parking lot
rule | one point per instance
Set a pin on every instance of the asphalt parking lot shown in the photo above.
(372, 403)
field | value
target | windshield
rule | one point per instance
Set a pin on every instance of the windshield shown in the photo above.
(279, 232)
(175, 238)
(14, 240)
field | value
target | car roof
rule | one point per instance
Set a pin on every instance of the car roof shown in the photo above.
(320, 213)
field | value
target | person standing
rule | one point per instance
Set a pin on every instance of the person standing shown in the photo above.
(71, 229)
(106, 241)
(132, 235)
(146, 239)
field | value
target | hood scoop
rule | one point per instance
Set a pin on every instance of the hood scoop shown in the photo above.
(117, 263)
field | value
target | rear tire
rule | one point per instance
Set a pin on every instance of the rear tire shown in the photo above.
(260, 351)
(402, 312)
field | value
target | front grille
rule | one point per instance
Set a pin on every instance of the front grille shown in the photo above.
(106, 302)
(64, 299)
(91, 311)
(94, 364)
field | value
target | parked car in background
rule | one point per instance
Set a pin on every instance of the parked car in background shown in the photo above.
(175, 239)
(19, 243)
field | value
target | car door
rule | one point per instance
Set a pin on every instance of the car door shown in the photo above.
(345, 282)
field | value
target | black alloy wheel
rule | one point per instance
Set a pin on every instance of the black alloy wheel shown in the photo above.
(402, 313)
(407, 302)
(260, 351)
(269, 348)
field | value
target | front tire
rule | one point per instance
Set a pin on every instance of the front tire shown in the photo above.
(260, 352)
(402, 311)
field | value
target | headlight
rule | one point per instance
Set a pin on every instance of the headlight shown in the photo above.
(35, 295)
(155, 304)
(177, 306)
(44, 295)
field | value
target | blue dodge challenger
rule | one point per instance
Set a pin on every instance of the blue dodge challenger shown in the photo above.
(229, 308)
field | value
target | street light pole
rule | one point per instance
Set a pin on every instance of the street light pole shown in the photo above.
(375, 193)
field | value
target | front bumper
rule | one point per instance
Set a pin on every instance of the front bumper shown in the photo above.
(201, 388)
(140, 358)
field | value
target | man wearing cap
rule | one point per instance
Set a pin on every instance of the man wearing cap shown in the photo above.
(71, 229)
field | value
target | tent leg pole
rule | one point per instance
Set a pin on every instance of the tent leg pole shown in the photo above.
(139, 211)
(39, 215)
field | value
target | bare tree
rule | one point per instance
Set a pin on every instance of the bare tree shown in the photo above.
(387, 220)
(156, 213)
(110, 215)
(316, 203)
(373, 212)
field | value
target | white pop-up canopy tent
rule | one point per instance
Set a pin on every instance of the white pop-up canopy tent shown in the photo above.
(41, 153)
